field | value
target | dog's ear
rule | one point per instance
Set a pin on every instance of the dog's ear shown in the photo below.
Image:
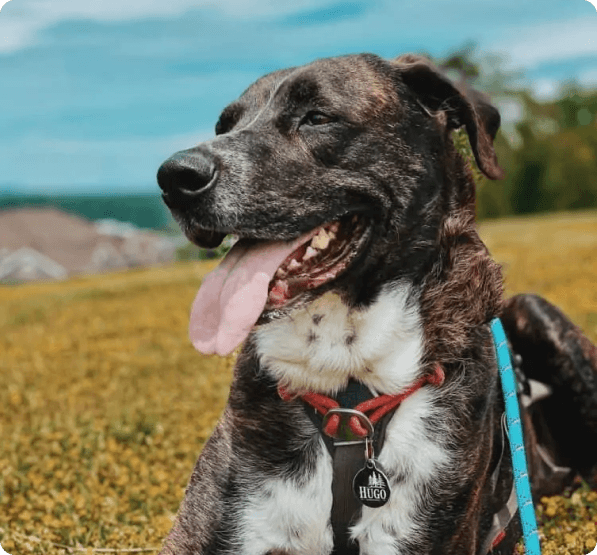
(467, 108)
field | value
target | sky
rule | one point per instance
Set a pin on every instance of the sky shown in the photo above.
(95, 94)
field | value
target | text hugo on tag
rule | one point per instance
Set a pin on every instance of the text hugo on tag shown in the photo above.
(372, 493)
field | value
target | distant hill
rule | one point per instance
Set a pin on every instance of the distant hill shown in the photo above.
(143, 210)
(46, 243)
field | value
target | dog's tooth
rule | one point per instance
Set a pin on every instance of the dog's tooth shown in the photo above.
(281, 286)
(310, 253)
(279, 293)
(321, 240)
(280, 273)
(294, 265)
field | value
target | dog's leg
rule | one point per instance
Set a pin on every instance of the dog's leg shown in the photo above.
(555, 352)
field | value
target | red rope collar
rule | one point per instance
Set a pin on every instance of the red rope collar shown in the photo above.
(377, 407)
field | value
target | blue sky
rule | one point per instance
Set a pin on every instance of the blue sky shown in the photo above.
(94, 94)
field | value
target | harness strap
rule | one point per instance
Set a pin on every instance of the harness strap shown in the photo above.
(348, 453)
(346, 509)
(500, 522)
(347, 460)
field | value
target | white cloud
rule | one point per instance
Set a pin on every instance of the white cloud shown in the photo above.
(594, 2)
(529, 46)
(546, 89)
(22, 19)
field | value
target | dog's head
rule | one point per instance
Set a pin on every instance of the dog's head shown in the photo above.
(348, 162)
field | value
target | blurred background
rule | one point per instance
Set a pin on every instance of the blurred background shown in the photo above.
(104, 403)
(95, 95)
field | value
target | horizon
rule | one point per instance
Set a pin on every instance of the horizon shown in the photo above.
(8, 190)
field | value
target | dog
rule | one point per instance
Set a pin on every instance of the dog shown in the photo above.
(359, 274)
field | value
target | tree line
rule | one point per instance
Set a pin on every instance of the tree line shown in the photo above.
(549, 150)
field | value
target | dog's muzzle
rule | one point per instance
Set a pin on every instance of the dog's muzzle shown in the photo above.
(186, 175)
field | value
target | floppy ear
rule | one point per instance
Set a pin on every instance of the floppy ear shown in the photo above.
(469, 108)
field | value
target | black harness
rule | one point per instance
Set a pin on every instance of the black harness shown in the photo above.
(350, 455)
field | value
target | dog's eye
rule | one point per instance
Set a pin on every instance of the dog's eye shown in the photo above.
(228, 119)
(223, 126)
(317, 118)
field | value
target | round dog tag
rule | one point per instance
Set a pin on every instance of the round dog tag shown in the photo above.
(370, 485)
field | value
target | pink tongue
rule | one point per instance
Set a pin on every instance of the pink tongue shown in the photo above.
(232, 297)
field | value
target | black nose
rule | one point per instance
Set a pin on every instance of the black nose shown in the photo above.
(187, 173)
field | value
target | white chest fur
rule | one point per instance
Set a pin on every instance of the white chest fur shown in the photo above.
(295, 520)
(319, 348)
(285, 517)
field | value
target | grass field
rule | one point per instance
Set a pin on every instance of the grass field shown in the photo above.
(104, 404)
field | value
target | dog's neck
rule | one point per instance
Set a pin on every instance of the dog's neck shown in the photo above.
(321, 346)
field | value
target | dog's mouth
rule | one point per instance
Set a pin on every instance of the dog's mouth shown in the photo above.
(318, 261)
(263, 276)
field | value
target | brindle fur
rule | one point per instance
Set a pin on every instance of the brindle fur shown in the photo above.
(388, 156)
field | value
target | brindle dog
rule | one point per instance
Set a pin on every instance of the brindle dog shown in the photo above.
(359, 262)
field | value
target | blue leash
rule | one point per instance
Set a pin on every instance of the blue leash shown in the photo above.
(519, 463)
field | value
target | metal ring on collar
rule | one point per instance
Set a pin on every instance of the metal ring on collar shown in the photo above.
(363, 418)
